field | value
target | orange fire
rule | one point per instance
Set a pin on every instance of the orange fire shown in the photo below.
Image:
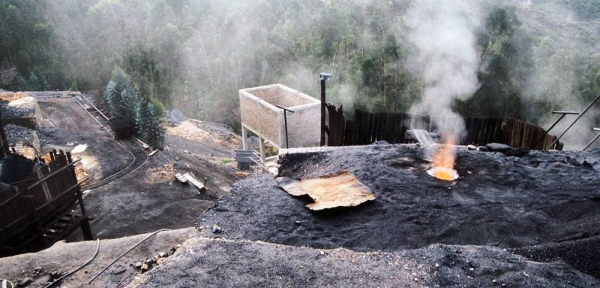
(443, 161)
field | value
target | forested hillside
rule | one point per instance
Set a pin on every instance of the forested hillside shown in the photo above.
(532, 56)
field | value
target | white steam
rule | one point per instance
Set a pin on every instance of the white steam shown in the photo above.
(445, 57)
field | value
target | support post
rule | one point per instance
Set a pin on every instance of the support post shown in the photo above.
(244, 137)
(323, 77)
(86, 229)
(580, 115)
(285, 110)
(564, 113)
(3, 141)
(593, 140)
(261, 143)
(323, 93)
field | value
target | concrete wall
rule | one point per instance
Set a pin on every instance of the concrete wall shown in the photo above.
(260, 115)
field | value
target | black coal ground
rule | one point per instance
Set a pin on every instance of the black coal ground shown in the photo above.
(544, 205)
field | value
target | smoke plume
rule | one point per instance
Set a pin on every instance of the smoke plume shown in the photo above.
(445, 58)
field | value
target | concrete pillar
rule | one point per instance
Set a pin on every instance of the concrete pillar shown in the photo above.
(261, 142)
(244, 138)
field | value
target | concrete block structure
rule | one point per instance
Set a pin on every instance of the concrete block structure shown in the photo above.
(260, 114)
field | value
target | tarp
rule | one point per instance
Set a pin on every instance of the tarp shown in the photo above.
(341, 189)
(15, 168)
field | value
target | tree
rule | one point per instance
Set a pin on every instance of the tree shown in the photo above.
(506, 66)
(134, 102)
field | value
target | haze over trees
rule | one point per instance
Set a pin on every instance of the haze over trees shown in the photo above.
(535, 56)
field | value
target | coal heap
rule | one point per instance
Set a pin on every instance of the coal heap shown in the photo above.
(541, 205)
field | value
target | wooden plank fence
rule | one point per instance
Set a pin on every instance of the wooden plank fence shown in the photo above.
(30, 208)
(367, 128)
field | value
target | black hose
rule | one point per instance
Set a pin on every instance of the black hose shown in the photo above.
(124, 253)
(78, 268)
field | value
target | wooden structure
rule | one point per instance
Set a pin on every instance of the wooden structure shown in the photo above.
(3, 141)
(200, 186)
(369, 127)
(38, 211)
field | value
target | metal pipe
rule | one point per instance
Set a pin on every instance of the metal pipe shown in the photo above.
(322, 142)
(580, 115)
(593, 140)
(285, 110)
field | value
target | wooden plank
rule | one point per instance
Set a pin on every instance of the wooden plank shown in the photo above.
(180, 178)
(195, 182)
(476, 131)
(368, 128)
(376, 127)
(423, 137)
(406, 119)
(52, 173)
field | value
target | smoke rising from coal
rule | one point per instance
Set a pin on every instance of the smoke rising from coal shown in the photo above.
(445, 58)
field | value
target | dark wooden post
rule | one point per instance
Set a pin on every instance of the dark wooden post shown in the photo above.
(3, 141)
(323, 78)
(86, 229)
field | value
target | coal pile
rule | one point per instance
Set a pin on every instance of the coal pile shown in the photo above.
(542, 205)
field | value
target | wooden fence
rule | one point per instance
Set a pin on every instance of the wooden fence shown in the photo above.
(367, 128)
(36, 212)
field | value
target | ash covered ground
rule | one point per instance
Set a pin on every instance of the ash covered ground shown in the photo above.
(542, 205)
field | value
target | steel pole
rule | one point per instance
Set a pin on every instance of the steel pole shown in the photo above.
(285, 110)
(287, 144)
(564, 113)
(323, 93)
(593, 140)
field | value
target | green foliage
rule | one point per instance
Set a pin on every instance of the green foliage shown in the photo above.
(121, 96)
(27, 43)
(587, 9)
(196, 55)
(149, 113)
(33, 83)
(506, 64)
(134, 102)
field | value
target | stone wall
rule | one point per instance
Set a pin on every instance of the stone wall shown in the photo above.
(23, 112)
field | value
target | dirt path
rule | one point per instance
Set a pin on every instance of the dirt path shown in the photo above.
(128, 192)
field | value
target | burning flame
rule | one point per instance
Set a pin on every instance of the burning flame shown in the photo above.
(443, 161)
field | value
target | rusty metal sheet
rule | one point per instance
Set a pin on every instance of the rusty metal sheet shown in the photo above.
(341, 189)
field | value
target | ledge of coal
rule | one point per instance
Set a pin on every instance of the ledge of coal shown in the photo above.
(508, 202)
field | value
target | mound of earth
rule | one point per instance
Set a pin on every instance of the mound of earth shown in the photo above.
(44, 267)
(242, 263)
(538, 199)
